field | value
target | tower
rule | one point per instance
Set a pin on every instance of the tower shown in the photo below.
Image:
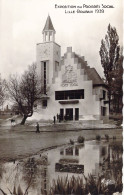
(48, 56)
(48, 31)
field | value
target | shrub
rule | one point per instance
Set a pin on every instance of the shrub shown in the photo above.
(107, 137)
(80, 139)
(71, 141)
(98, 137)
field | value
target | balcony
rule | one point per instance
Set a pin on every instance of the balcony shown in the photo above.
(69, 101)
(45, 97)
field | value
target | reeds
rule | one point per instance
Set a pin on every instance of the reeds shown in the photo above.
(84, 185)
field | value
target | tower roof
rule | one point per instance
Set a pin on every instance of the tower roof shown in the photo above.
(48, 26)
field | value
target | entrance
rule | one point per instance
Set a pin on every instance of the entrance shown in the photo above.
(103, 111)
(76, 114)
(61, 114)
(69, 114)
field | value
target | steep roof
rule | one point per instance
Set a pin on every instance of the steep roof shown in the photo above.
(48, 26)
(91, 72)
(94, 76)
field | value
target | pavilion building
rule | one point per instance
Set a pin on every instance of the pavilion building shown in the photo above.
(71, 89)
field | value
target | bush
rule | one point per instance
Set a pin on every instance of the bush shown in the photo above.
(107, 137)
(98, 137)
(80, 139)
(71, 141)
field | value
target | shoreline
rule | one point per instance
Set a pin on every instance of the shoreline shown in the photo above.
(61, 127)
(21, 158)
(18, 142)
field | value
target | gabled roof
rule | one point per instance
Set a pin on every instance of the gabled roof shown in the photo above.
(48, 26)
(94, 76)
(91, 72)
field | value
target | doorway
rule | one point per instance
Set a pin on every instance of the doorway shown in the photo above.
(103, 111)
(76, 114)
(69, 114)
(61, 114)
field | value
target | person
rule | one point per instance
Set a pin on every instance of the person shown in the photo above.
(37, 128)
(54, 119)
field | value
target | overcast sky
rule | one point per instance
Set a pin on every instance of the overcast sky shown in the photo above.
(22, 22)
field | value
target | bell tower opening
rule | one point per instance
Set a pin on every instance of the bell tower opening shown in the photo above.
(48, 31)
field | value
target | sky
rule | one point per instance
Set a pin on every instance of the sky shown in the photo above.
(22, 22)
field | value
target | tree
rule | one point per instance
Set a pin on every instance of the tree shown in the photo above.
(25, 91)
(2, 91)
(109, 53)
(117, 84)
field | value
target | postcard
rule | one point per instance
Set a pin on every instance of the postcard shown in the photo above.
(61, 78)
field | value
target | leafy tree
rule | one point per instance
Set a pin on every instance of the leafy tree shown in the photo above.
(117, 84)
(109, 53)
(25, 91)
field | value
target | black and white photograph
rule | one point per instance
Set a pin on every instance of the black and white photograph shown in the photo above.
(61, 97)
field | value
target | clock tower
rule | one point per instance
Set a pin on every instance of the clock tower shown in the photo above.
(48, 54)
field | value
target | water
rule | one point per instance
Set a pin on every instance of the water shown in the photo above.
(37, 173)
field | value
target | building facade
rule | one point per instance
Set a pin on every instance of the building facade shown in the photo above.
(71, 89)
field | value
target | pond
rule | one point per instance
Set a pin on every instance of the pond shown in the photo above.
(38, 173)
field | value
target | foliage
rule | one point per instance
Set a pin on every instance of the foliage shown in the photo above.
(84, 185)
(107, 137)
(117, 83)
(98, 137)
(80, 139)
(24, 91)
(111, 61)
(71, 142)
(109, 52)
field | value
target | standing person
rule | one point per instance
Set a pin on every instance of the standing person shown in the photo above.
(37, 128)
(54, 119)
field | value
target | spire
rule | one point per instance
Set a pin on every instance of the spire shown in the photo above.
(48, 26)
(48, 31)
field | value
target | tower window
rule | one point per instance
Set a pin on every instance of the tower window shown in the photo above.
(44, 77)
(50, 36)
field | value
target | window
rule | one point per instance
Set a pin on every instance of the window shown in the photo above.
(104, 94)
(69, 151)
(70, 94)
(56, 66)
(44, 103)
(44, 77)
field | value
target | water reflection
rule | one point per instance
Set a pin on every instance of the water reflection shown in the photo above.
(36, 174)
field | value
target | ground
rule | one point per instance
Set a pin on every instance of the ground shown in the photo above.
(21, 141)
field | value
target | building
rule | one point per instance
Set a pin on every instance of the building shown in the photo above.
(71, 89)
